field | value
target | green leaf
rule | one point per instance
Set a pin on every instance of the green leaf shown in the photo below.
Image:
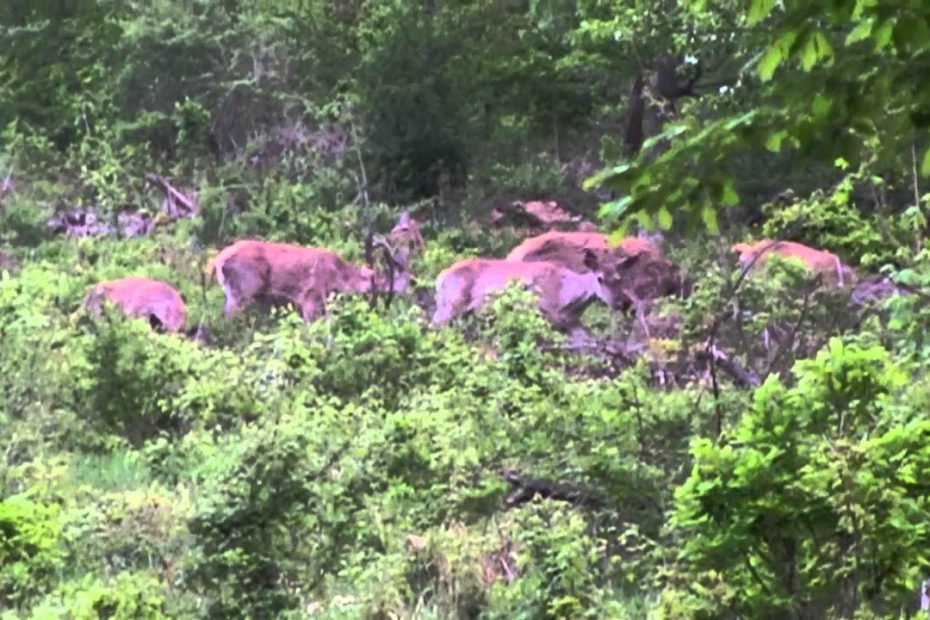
(774, 140)
(769, 63)
(925, 164)
(644, 219)
(611, 177)
(759, 10)
(862, 31)
(816, 49)
(729, 197)
(821, 106)
(883, 34)
(709, 217)
(664, 217)
(615, 208)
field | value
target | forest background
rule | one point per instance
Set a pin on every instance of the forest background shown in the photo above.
(369, 465)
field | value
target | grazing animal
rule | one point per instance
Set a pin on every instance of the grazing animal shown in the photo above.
(279, 273)
(567, 248)
(641, 273)
(153, 300)
(827, 264)
(563, 293)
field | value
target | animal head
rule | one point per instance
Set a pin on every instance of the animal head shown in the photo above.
(638, 279)
(405, 239)
(602, 282)
(395, 276)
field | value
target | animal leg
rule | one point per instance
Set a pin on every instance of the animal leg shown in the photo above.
(232, 301)
(312, 307)
(641, 308)
(839, 270)
(241, 284)
(450, 290)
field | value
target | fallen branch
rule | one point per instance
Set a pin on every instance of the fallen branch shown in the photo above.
(525, 489)
(743, 376)
(173, 197)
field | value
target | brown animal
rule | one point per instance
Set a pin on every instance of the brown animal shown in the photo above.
(279, 273)
(642, 273)
(153, 300)
(567, 248)
(563, 294)
(826, 264)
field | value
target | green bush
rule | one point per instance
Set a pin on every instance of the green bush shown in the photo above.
(132, 378)
(30, 553)
(815, 503)
(127, 596)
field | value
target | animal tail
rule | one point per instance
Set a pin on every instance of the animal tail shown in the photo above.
(215, 267)
(444, 302)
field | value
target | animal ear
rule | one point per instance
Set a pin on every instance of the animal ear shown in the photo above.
(591, 260)
(628, 261)
(404, 218)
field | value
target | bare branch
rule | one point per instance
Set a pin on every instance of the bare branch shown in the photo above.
(525, 489)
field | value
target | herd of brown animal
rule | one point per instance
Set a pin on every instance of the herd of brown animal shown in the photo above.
(566, 270)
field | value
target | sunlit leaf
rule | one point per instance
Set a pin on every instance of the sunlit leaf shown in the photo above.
(821, 106)
(615, 208)
(610, 175)
(664, 218)
(882, 35)
(769, 63)
(862, 31)
(709, 217)
(759, 10)
(774, 140)
(729, 197)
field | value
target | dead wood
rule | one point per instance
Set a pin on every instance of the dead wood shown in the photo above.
(525, 489)
(177, 204)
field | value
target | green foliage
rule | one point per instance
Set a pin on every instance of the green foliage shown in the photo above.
(29, 552)
(368, 464)
(561, 578)
(830, 74)
(128, 596)
(131, 378)
(244, 565)
(813, 504)
(829, 221)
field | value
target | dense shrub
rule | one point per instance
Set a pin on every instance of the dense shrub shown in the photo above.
(762, 454)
